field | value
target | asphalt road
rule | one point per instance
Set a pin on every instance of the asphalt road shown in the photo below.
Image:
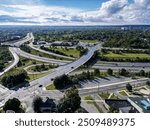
(38, 58)
(50, 53)
(15, 62)
(112, 86)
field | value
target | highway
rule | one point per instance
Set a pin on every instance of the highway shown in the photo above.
(46, 80)
(50, 53)
(19, 42)
(15, 62)
(28, 90)
(38, 58)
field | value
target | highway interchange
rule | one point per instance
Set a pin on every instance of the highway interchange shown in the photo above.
(28, 91)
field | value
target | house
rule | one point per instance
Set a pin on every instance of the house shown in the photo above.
(122, 105)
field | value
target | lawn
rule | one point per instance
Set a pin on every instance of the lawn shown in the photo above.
(112, 55)
(113, 96)
(104, 95)
(41, 54)
(50, 87)
(123, 93)
(89, 41)
(90, 100)
(69, 51)
(36, 76)
(33, 69)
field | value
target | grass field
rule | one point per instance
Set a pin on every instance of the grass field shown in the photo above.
(41, 54)
(50, 87)
(113, 96)
(123, 93)
(104, 95)
(112, 55)
(36, 76)
(69, 51)
(89, 41)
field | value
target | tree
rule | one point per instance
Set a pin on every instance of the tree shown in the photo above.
(110, 71)
(1, 67)
(12, 104)
(70, 102)
(96, 72)
(61, 81)
(37, 101)
(148, 83)
(123, 72)
(129, 87)
(11, 79)
(142, 73)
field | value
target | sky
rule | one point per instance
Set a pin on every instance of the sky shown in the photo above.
(74, 12)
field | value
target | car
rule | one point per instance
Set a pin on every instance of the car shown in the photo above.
(40, 86)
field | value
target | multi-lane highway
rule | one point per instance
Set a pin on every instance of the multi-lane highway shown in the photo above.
(46, 80)
(27, 91)
(50, 53)
(38, 58)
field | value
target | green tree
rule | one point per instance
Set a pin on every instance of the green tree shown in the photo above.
(70, 102)
(61, 81)
(13, 104)
(129, 87)
(110, 71)
(123, 72)
(37, 101)
(96, 72)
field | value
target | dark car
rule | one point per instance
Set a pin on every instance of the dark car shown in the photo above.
(40, 86)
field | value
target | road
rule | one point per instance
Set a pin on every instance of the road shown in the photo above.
(135, 66)
(17, 43)
(112, 86)
(46, 80)
(28, 90)
(50, 53)
(38, 58)
(15, 62)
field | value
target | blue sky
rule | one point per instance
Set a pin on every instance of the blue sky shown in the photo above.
(74, 12)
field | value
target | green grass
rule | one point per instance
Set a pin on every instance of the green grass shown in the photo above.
(90, 100)
(123, 93)
(104, 95)
(32, 69)
(41, 54)
(113, 96)
(1, 110)
(50, 87)
(32, 77)
(112, 55)
(69, 51)
(89, 41)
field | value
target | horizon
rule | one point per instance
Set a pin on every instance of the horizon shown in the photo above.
(75, 12)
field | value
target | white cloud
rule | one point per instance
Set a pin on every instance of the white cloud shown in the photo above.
(110, 12)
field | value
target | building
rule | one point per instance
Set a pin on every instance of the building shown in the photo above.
(123, 106)
(142, 104)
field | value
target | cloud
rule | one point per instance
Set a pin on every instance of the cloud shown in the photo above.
(110, 12)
